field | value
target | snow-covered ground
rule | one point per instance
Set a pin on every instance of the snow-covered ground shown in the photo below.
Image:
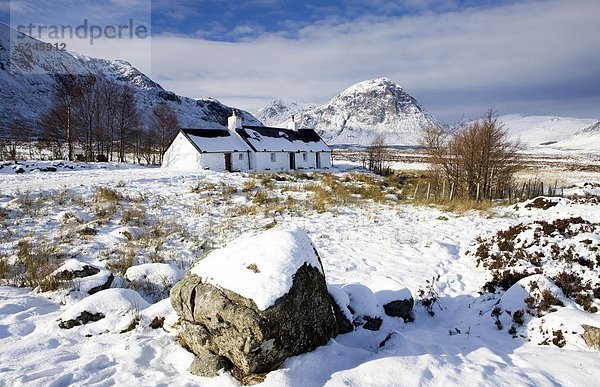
(133, 216)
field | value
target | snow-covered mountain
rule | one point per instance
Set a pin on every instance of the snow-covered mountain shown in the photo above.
(278, 111)
(28, 81)
(542, 130)
(587, 138)
(364, 110)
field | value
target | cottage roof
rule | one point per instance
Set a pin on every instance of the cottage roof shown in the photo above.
(266, 139)
(215, 140)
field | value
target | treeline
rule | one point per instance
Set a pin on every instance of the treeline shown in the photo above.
(92, 119)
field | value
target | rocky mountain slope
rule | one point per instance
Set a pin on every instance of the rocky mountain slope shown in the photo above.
(364, 110)
(28, 81)
(279, 111)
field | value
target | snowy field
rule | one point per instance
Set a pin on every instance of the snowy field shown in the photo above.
(122, 217)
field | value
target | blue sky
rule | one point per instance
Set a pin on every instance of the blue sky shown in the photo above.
(231, 21)
(458, 58)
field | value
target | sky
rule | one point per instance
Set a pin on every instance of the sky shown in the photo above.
(457, 58)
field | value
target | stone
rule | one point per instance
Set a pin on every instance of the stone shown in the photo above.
(591, 336)
(254, 341)
(84, 318)
(208, 364)
(400, 308)
(343, 324)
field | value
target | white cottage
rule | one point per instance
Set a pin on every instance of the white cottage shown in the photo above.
(245, 148)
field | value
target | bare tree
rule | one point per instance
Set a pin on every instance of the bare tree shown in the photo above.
(478, 160)
(378, 155)
(127, 118)
(165, 125)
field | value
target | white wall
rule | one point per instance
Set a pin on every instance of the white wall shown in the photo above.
(263, 161)
(238, 164)
(325, 158)
(182, 155)
(308, 164)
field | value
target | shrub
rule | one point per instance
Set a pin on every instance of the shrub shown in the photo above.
(428, 296)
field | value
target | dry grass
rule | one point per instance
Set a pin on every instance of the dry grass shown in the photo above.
(34, 267)
(135, 216)
(107, 195)
(203, 186)
(249, 185)
(460, 206)
(124, 261)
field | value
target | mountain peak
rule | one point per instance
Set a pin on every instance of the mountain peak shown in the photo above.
(280, 110)
(366, 110)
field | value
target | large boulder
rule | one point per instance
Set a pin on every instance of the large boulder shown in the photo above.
(252, 304)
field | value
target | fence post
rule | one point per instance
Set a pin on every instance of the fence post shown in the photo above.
(428, 189)
(477, 196)
(451, 191)
(443, 190)
(416, 190)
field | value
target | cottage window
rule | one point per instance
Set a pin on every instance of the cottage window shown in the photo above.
(241, 156)
(304, 157)
(273, 157)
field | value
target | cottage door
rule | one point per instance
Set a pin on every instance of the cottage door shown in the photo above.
(228, 162)
(318, 158)
(292, 160)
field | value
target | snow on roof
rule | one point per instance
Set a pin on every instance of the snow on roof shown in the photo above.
(261, 266)
(265, 139)
(215, 140)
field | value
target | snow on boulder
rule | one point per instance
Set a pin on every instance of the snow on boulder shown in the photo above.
(263, 273)
(110, 310)
(252, 304)
(363, 306)
(396, 299)
(341, 303)
(86, 277)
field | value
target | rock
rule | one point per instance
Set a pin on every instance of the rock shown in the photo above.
(234, 329)
(255, 341)
(88, 278)
(591, 336)
(344, 325)
(400, 308)
(364, 306)
(84, 318)
(372, 323)
(208, 364)
(111, 310)
(80, 272)
(397, 300)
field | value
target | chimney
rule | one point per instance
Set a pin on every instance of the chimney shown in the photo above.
(234, 122)
(293, 125)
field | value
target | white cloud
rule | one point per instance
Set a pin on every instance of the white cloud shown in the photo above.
(489, 57)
